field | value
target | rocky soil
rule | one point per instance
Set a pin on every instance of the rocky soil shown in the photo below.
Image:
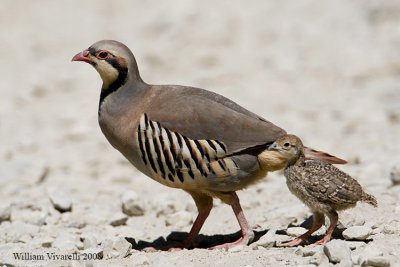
(328, 71)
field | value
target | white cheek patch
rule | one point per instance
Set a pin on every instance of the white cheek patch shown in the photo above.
(107, 72)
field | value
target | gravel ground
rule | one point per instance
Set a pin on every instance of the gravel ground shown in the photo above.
(327, 71)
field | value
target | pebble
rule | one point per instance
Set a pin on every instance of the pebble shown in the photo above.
(267, 241)
(60, 200)
(357, 233)
(376, 261)
(371, 250)
(132, 205)
(309, 250)
(66, 241)
(295, 231)
(139, 260)
(319, 259)
(36, 217)
(355, 244)
(337, 250)
(20, 232)
(395, 175)
(116, 249)
(5, 212)
(89, 241)
(179, 219)
(118, 219)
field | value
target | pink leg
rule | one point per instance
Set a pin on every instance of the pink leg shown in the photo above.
(247, 233)
(318, 221)
(204, 211)
(333, 218)
(204, 205)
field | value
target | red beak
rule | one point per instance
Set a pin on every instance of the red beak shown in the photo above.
(83, 56)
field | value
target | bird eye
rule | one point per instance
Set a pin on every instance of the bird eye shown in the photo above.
(286, 145)
(102, 55)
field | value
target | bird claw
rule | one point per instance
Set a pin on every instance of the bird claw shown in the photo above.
(293, 243)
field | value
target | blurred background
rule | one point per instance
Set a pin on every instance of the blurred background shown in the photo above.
(328, 71)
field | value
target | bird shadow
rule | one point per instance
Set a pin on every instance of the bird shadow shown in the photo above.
(203, 241)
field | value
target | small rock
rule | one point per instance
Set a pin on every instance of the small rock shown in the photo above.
(89, 241)
(337, 250)
(388, 229)
(74, 219)
(118, 248)
(20, 232)
(309, 250)
(5, 212)
(36, 217)
(66, 241)
(355, 244)
(132, 205)
(179, 219)
(295, 231)
(357, 233)
(395, 175)
(267, 241)
(371, 250)
(320, 259)
(376, 261)
(60, 200)
(139, 260)
(118, 219)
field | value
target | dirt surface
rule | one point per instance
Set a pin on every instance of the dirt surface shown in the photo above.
(327, 71)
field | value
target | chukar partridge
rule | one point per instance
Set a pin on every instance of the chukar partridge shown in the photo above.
(322, 187)
(184, 137)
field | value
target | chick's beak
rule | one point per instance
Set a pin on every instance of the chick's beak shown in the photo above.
(273, 147)
(83, 56)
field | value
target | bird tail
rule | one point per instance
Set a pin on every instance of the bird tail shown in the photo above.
(322, 156)
(370, 199)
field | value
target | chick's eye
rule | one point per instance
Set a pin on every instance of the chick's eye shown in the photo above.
(102, 55)
(286, 145)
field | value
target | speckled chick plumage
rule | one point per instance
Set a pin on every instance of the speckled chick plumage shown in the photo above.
(321, 186)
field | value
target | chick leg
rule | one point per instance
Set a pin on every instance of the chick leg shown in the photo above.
(333, 218)
(247, 234)
(318, 221)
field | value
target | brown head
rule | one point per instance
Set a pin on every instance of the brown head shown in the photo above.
(113, 61)
(289, 146)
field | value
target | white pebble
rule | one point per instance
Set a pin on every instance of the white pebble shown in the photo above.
(357, 233)
(5, 212)
(179, 219)
(295, 231)
(337, 250)
(376, 261)
(118, 219)
(395, 175)
(60, 200)
(132, 205)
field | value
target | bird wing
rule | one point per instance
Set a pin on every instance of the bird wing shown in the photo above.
(329, 184)
(200, 114)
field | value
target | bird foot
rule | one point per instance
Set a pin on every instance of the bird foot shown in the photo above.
(323, 241)
(292, 243)
(244, 240)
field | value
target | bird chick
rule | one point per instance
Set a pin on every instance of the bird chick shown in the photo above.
(322, 187)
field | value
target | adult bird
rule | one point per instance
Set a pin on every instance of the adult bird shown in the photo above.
(184, 137)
